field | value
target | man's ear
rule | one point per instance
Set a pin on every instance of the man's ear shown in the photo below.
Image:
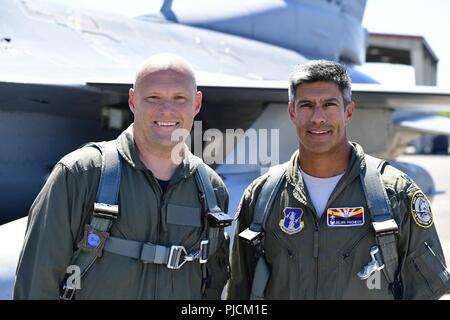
(198, 102)
(349, 109)
(131, 100)
(291, 110)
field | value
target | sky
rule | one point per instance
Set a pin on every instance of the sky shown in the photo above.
(427, 18)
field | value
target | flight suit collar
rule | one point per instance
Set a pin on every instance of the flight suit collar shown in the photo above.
(294, 176)
(129, 152)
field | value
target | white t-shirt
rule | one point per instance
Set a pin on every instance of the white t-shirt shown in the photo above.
(320, 190)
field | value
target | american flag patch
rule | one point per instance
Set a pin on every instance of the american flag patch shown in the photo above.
(345, 217)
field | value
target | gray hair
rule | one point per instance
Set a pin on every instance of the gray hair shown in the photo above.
(321, 70)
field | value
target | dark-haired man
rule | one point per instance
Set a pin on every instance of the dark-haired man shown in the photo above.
(334, 223)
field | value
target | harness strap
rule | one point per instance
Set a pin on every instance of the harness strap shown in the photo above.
(96, 237)
(216, 218)
(174, 256)
(254, 234)
(106, 205)
(267, 196)
(104, 212)
(382, 219)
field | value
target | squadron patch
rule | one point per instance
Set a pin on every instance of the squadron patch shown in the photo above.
(421, 210)
(292, 223)
(345, 217)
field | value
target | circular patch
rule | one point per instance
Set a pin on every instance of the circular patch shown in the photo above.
(421, 210)
(93, 240)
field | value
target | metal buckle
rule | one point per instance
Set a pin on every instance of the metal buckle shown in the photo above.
(107, 211)
(176, 253)
(385, 227)
(68, 293)
(376, 264)
(251, 237)
(204, 251)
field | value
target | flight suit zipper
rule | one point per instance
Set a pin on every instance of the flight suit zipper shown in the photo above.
(315, 243)
(316, 256)
(159, 199)
(161, 202)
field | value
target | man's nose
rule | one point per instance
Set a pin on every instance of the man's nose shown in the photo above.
(318, 116)
(167, 105)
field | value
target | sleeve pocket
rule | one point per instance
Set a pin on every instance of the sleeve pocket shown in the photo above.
(431, 269)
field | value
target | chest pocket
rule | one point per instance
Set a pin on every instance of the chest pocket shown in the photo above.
(184, 216)
(352, 260)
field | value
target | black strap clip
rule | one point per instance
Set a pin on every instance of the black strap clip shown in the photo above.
(253, 238)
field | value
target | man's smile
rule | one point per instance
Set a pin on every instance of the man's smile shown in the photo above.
(319, 132)
(166, 124)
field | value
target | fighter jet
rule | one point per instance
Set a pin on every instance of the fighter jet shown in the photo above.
(65, 75)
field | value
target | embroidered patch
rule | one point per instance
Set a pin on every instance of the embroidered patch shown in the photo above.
(421, 210)
(93, 240)
(345, 217)
(292, 223)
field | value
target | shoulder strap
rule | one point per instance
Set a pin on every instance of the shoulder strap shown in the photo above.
(254, 234)
(267, 196)
(377, 198)
(216, 218)
(382, 219)
(105, 211)
(108, 191)
(264, 202)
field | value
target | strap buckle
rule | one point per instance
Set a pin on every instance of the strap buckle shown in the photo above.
(219, 219)
(251, 237)
(176, 253)
(376, 264)
(107, 211)
(67, 293)
(385, 227)
(203, 252)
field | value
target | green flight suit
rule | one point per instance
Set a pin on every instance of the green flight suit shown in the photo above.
(321, 260)
(65, 204)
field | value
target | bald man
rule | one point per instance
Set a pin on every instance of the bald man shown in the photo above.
(153, 238)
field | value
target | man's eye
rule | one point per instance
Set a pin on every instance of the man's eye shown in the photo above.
(306, 105)
(330, 104)
(180, 98)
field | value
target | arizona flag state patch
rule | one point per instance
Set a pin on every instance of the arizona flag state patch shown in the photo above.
(345, 217)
